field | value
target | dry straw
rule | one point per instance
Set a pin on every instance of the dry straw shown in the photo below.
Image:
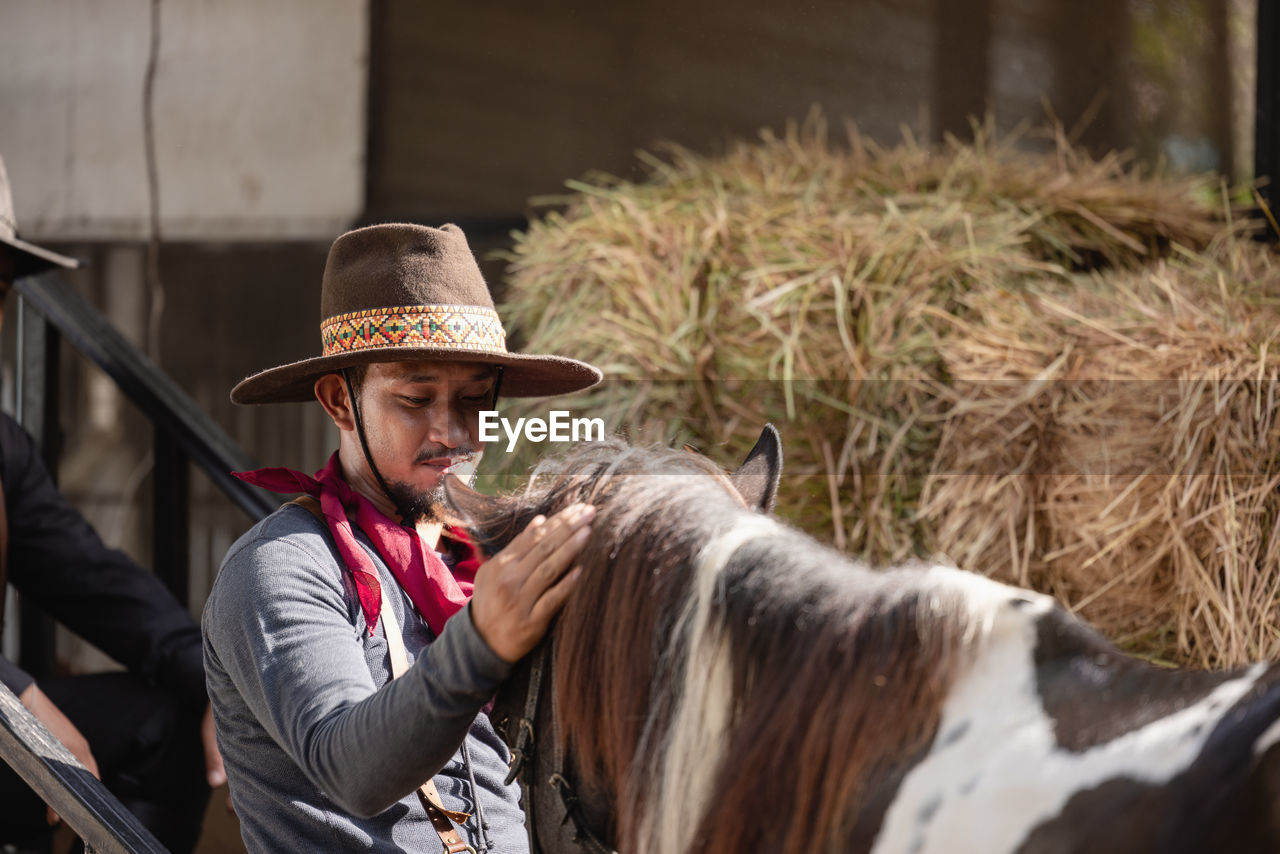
(1047, 367)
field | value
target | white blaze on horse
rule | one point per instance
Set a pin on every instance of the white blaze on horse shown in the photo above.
(722, 683)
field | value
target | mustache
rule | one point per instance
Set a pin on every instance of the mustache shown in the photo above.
(466, 449)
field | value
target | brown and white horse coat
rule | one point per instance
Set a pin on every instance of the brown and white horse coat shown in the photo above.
(723, 683)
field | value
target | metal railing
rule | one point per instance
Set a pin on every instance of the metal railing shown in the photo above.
(51, 311)
(62, 782)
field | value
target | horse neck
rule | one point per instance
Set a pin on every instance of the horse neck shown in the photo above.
(698, 651)
(613, 648)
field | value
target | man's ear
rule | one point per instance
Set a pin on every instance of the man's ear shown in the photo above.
(331, 391)
(757, 478)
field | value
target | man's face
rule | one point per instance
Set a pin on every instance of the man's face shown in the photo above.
(422, 421)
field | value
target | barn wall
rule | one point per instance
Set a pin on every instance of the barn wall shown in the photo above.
(475, 108)
(474, 112)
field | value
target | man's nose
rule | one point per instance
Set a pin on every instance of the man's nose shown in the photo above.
(448, 427)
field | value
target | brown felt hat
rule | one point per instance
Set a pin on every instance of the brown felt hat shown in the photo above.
(394, 293)
(27, 257)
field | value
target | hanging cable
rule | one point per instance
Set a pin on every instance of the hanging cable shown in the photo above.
(155, 290)
(486, 844)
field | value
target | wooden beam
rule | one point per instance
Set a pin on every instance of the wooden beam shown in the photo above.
(1266, 139)
(962, 65)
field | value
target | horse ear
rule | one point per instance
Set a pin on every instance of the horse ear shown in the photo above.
(464, 506)
(757, 478)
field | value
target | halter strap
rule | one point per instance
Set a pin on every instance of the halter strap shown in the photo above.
(522, 751)
(523, 762)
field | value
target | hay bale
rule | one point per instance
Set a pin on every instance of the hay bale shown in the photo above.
(1142, 415)
(951, 340)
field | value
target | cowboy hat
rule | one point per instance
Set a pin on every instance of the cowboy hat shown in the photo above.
(27, 257)
(393, 293)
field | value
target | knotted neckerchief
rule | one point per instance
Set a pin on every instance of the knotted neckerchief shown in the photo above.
(435, 591)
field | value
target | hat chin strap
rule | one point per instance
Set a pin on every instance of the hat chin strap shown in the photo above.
(368, 457)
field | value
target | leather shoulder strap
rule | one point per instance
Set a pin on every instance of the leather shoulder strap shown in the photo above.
(441, 819)
(310, 504)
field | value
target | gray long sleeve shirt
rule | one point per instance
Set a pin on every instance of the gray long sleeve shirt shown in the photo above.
(323, 750)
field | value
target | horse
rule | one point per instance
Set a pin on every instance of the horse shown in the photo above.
(721, 682)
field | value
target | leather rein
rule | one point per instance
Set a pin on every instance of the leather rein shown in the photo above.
(524, 763)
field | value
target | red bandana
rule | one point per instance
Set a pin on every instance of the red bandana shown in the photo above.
(436, 592)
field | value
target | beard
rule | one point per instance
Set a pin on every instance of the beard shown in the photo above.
(416, 505)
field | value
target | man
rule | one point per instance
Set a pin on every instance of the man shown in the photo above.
(323, 748)
(141, 731)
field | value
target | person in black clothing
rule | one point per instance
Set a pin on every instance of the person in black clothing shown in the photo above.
(147, 732)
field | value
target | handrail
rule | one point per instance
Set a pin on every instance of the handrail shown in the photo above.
(168, 407)
(182, 433)
(64, 784)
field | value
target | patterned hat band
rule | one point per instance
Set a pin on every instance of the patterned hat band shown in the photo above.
(448, 327)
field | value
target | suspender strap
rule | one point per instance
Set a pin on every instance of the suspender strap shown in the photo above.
(427, 793)
(441, 819)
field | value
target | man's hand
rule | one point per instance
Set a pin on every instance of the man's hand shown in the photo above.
(523, 586)
(215, 773)
(63, 730)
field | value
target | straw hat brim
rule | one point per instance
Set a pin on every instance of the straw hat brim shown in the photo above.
(523, 375)
(30, 259)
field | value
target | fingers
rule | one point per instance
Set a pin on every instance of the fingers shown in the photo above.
(542, 536)
(544, 549)
(550, 603)
(215, 773)
(522, 587)
(60, 726)
(553, 561)
(90, 762)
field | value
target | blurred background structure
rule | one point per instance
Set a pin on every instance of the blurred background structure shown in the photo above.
(202, 156)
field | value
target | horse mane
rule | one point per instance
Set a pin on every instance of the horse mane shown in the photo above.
(833, 675)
